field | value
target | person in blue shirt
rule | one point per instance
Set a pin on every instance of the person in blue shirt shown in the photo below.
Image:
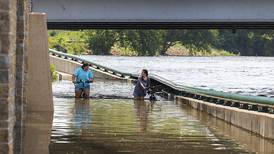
(82, 77)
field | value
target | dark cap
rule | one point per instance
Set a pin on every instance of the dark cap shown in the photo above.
(85, 64)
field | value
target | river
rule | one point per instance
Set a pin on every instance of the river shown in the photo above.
(111, 122)
(241, 75)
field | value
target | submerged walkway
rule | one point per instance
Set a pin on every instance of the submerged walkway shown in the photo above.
(125, 126)
(122, 126)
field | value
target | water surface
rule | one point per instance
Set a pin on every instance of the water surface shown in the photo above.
(242, 75)
(125, 126)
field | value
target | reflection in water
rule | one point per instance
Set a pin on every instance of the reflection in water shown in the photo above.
(124, 126)
(127, 126)
(37, 132)
(82, 114)
(142, 109)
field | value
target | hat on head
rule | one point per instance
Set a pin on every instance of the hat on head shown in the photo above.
(85, 64)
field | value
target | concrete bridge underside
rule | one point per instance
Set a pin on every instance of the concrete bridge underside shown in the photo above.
(194, 14)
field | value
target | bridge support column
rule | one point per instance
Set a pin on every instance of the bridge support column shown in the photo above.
(21, 52)
(39, 90)
(8, 18)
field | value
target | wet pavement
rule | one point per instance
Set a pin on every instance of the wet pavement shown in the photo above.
(126, 126)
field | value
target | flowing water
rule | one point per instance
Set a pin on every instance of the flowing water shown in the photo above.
(242, 75)
(126, 126)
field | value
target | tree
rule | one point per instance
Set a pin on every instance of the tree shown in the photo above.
(198, 40)
(68, 41)
(101, 41)
(170, 37)
(144, 42)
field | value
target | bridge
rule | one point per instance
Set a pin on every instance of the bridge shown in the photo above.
(24, 57)
(191, 14)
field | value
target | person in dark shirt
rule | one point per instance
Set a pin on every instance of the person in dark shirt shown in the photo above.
(142, 85)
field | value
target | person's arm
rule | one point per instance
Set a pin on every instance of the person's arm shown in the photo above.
(140, 81)
(148, 82)
(90, 76)
(142, 85)
(73, 78)
(74, 75)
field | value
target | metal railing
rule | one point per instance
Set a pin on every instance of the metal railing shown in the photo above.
(94, 65)
(256, 103)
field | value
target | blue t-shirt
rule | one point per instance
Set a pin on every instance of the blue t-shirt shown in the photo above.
(83, 76)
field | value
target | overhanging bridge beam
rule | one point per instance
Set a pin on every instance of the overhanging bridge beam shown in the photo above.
(187, 14)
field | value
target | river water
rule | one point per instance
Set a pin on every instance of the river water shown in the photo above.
(111, 122)
(124, 126)
(121, 125)
(242, 75)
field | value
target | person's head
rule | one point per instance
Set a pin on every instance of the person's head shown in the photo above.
(144, 73)
(85, 66)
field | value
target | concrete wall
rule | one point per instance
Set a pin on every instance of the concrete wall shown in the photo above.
(39, 90)
(248, 140)
(156, 10)
(13, 43)
(8, 18)
(256, 122)
(21, 52)
(13, 72)
(69, 66)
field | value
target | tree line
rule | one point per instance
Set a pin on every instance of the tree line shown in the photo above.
(158, 42)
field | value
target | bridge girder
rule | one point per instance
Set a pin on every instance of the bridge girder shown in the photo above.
(157, 14)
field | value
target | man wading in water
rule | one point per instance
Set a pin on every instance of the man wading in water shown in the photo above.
(141, 86)
(82, 78)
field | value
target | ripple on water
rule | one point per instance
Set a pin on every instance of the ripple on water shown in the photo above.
(118, 126)
(99, 89)
(218, 73)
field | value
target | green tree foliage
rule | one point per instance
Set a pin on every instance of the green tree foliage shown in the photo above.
(198, 40)
(170, 37)
(101, 41)
(73, 42)
(53, 73)
(158, 42)
(246, 42)
(145, 42)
